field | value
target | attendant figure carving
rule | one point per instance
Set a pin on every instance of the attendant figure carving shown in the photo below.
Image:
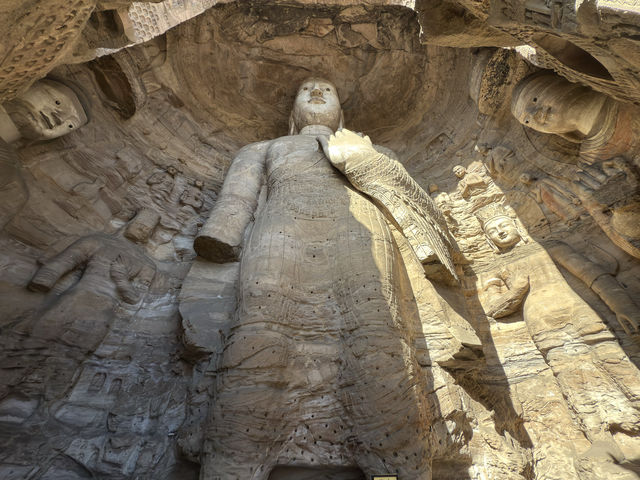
(468, 181)
(566, 330)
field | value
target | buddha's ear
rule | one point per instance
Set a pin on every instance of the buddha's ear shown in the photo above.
(341, 123)
(292, 125)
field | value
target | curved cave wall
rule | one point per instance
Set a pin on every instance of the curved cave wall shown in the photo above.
(113, 329)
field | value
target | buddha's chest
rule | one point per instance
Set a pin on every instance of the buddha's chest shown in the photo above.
(296, 154)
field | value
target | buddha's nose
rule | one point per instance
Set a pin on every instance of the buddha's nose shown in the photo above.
(316, 92)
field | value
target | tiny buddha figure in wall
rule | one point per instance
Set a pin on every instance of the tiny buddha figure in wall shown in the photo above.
(48, 110)
(468, 181)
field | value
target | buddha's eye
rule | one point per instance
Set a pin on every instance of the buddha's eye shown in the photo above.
(535, 99)
(57, 102)
(328, 89)
(306, 88)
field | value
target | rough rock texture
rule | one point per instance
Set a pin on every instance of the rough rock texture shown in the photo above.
(115, 338)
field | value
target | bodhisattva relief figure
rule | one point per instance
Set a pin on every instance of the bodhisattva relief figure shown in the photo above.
(501, 227)
(566, 331)
(319, 366)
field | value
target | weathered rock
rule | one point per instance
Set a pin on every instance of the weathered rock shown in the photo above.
(117, 358)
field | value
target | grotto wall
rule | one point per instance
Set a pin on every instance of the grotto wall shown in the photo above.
(125, 353)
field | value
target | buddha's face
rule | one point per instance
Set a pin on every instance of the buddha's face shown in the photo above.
(47, 110)
(542, 103)
(459, 171)
(526, 178)
(502, 231)
(317, 103)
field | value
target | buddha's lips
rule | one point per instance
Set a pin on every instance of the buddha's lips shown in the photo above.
(317, 101)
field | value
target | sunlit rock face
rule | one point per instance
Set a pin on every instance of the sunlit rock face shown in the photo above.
(322, 342)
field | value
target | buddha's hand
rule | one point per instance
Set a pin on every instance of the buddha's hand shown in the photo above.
(628, 320)
(345, 149)
(611, 182)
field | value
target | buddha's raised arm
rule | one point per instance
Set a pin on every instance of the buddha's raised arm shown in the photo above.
(221, 236)
(391, 187)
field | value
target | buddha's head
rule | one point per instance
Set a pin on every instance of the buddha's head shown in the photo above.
(459, 171)
(48, 110)
(317, 103)
(526, 178)
(549, 103)
(499, 226)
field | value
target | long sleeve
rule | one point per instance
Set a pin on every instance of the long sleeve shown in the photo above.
(221, 236)
(390, 186)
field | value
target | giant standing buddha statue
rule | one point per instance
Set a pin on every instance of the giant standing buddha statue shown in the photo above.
(324, 303)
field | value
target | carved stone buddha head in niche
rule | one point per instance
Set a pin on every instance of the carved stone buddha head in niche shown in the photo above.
(549, 103)
(48, 110)
(500, 227)
(316, 104)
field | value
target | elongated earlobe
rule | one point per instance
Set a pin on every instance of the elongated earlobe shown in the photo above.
(292, 125)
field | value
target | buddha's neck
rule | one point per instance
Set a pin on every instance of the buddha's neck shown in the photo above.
(316, 130)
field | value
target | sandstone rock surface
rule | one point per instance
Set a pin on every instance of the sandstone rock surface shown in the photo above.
(125, 355)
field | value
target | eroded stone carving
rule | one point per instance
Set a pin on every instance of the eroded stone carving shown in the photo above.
(505, 294)
(49, 109)
(162, 183)
(468, 181)
(13, 191)
(602, 283)
(610, 192)
(192, 196)
(320, 258)
(605, 128)
(91, 283)
(102, 258)
(141, 227)
(553, 195)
